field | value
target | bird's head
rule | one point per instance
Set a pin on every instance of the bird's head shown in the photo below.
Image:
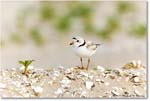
(77, 41)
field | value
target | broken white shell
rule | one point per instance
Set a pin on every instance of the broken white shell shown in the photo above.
(89, 84)
(65, 81)
(84, 74)
(114, 92)
(37, 89)
(100, 68)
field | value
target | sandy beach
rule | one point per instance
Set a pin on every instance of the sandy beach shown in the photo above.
(98, 82)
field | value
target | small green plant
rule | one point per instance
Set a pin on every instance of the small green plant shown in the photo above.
(26, 64)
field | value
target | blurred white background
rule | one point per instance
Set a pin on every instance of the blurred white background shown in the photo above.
(122, 47)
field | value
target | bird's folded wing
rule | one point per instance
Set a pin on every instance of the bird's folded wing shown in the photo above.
(91, 45)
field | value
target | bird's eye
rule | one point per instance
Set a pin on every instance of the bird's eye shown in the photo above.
(77, 40)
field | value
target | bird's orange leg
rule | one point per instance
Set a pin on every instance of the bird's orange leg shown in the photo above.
(81, 63)
(88, 64)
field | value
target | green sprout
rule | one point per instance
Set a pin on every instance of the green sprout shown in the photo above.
(26, 64)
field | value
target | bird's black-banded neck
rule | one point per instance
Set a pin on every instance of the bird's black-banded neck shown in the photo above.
(82, 44)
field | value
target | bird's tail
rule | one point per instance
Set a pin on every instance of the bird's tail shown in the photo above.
(98, 44)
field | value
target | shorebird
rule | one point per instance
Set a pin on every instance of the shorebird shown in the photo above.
(83, 49)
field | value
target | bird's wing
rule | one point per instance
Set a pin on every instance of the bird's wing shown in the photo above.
(91, 45)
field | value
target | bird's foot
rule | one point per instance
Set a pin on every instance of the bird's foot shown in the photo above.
(80, 67)
(86, 68)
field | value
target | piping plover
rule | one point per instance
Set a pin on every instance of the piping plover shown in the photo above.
(83, 49)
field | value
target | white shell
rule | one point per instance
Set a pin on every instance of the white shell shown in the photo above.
(59, 91)
(91, 77)
(137, 92)
(136, 79)
(68, 71)
(37, 89)
(100, 68)
(107, 84)
(83, 93)
(115, 92)
(97, 80)
(134, 63)
(84, 74)
(50, 82)
(60, 67)
(89, 84)
(65, 81)
(2, 85)
(56, 73)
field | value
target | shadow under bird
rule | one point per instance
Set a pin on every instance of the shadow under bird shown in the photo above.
(83, 49)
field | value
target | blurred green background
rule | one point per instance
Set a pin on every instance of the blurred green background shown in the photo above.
(41, 31)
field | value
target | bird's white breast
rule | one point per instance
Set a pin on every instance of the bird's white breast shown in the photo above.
(84, 52)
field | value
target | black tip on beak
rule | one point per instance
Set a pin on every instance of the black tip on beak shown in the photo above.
(71, 43)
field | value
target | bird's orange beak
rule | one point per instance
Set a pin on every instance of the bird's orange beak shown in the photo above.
(71, 43)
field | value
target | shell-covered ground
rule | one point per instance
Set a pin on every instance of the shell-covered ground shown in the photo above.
(74, 83)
